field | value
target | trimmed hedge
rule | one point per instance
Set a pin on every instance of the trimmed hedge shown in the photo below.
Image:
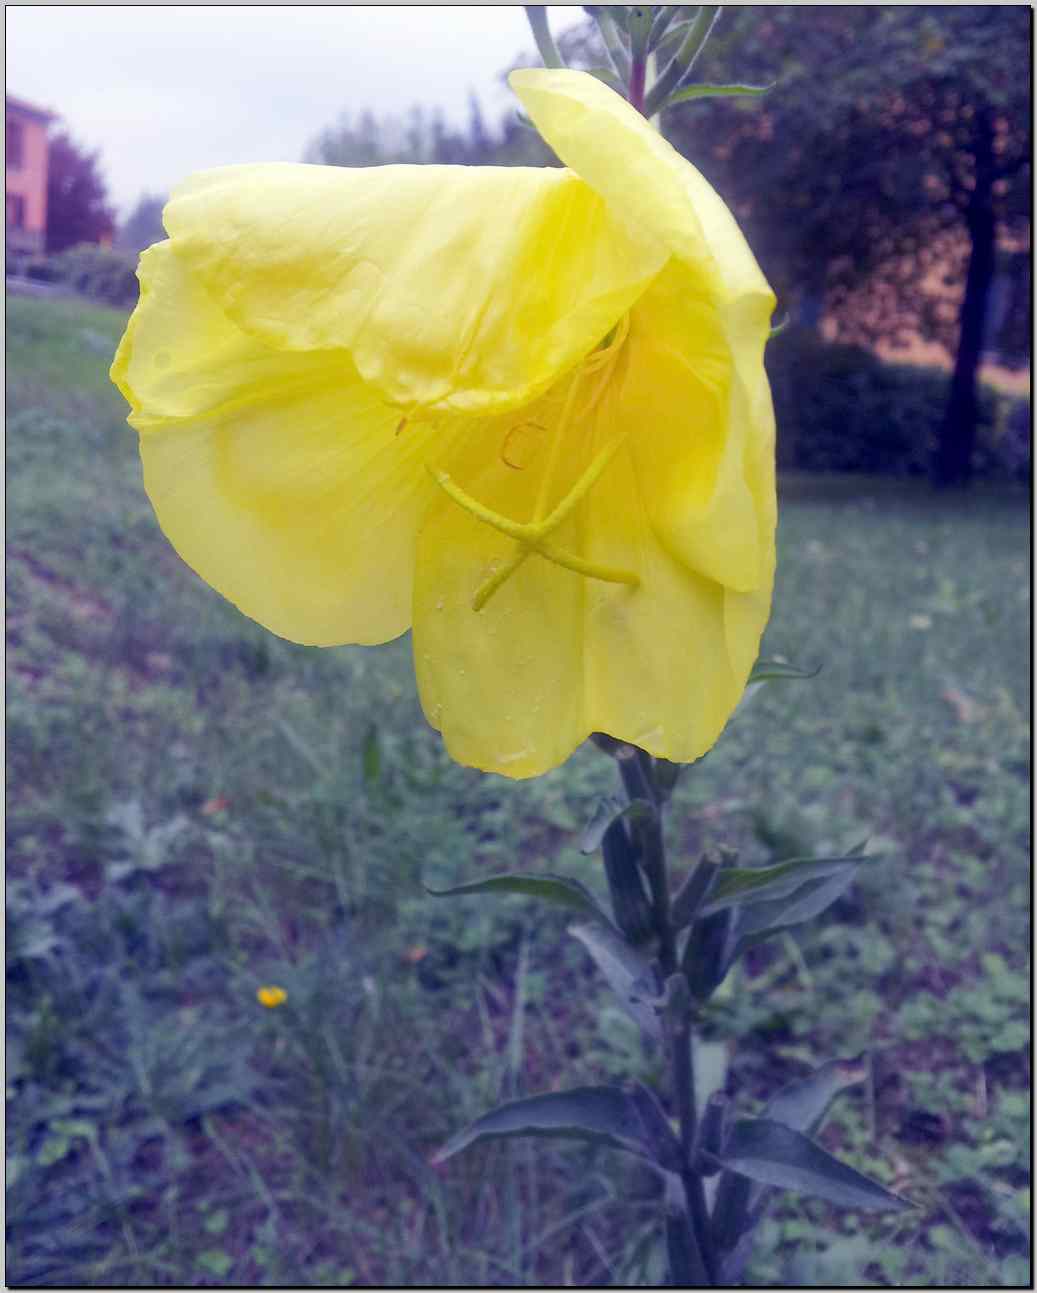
(98, 272)
(840, 408)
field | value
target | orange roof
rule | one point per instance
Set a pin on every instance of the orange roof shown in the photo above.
(30, 109)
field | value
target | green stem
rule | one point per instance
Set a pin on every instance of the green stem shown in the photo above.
(681, 64)
(536, 15)
(636, 769)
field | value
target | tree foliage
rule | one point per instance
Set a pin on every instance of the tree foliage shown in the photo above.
(422, 137)
(881, 176)
(143, 226)
(78, 210)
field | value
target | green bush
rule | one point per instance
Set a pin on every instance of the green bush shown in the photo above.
(842, 409)
(98, 272)
(42, 270)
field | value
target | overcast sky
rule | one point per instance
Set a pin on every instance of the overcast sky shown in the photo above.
(162, 91)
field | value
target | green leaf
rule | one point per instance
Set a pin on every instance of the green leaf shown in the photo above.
(688, 899)
(536, 15)
(737, 885)
(773, 1154)
(773, 670)
(604, 1115)
(610, 78)
(608, 810)
(557, 889)
(716, 92)
(627, 970)
(802, 1105)
(671, 43)
(759, 920)
(657, 1133)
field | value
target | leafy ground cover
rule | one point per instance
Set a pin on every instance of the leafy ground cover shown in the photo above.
(196, 809)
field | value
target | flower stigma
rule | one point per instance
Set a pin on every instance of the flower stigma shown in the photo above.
(533, 536)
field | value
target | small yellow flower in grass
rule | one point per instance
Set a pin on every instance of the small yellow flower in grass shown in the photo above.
(522, 411)
(271, 996)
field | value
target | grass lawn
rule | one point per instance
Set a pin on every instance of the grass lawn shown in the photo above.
(196, 808)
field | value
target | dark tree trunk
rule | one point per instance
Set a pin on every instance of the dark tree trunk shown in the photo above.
(952, 464)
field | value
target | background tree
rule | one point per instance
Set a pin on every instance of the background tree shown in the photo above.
(77, 197)
(882, 172)
(421, 137)
(143, 226)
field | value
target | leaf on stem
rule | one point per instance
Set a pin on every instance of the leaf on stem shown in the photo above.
(802, 1105)
(773, 1154)
(557, 889)
(608, 811)
(737, 885)
(772, 670)
(705, 91)
(604, 1115)
(627, 970)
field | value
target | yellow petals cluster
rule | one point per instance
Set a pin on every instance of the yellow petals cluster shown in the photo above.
(521, 411)
(270, 996)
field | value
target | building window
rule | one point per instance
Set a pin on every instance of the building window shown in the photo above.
(15, 140)
(15, 211)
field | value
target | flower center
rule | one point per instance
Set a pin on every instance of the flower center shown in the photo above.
(534, 536)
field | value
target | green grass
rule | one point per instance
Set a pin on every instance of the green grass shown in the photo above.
(196, 808)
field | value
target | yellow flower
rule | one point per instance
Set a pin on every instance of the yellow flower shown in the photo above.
(271, 996)
(522, 410)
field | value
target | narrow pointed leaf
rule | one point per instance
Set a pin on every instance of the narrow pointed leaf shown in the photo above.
(687, 901)
(557, 889)
(610, 78)
(802, 1105)
(627, 971)
(603, 1115)
(773, 1154)
(779, 328)
(609, 810)
(759, 920)
(704, 91)
(656, 1132)
(737, 885)
(740, 1203)
(774, 670)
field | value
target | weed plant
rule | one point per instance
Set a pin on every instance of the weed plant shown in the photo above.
(196, 808)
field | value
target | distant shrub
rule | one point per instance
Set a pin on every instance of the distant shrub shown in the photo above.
(41, 270)
(840, 408)
(97, 272)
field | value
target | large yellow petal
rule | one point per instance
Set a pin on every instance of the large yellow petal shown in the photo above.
(554, 655)
(461, 287)
(278, 477)
(645, 181)
(701, 428)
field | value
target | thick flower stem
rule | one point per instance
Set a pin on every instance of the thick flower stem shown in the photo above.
(636, 769)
